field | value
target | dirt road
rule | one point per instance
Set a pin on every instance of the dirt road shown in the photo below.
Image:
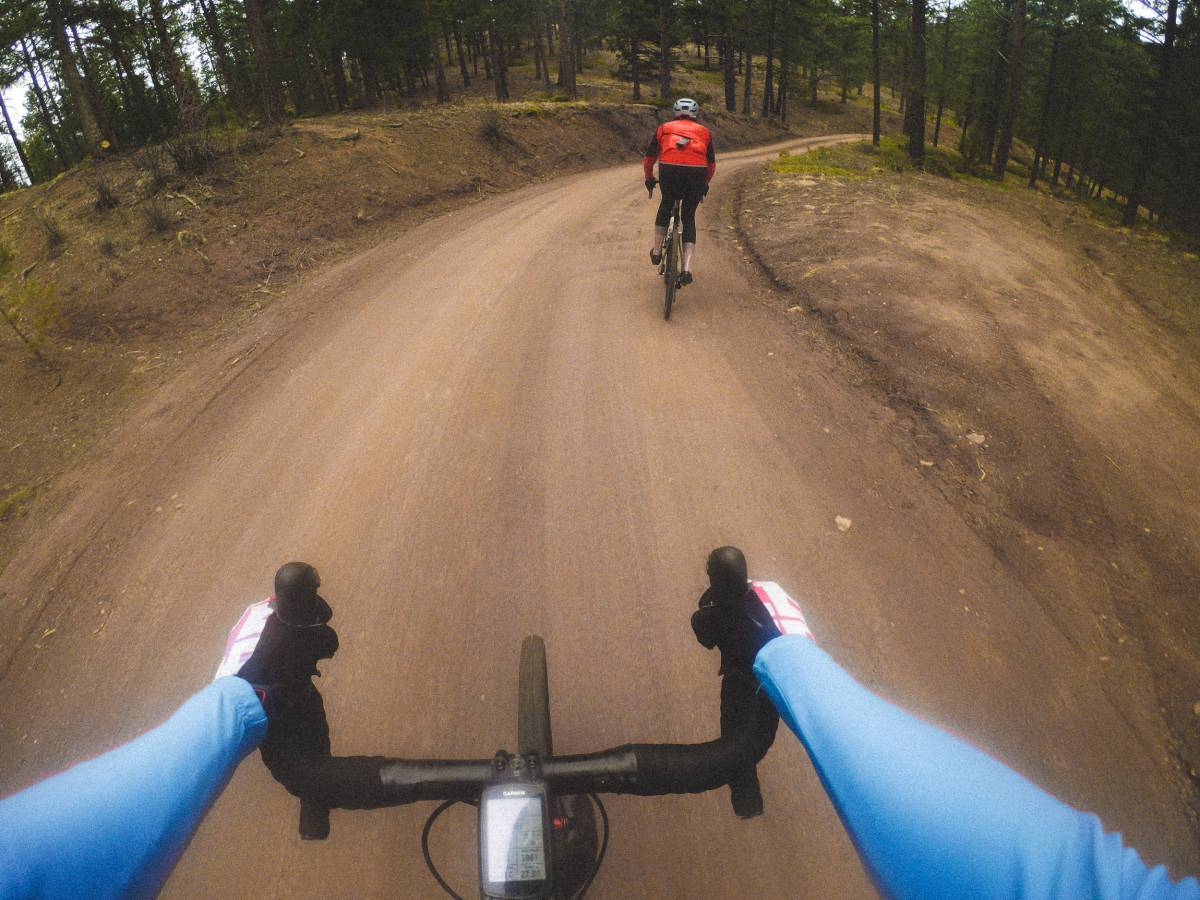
(484, 429)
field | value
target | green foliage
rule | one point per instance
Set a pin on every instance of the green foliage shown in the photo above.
(864, 160)
(15, 503)
(29, 308)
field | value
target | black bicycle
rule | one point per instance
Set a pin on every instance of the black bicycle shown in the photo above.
(672, 256)
(536, 811)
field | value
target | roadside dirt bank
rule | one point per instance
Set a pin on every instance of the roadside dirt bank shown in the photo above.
(1045, 372)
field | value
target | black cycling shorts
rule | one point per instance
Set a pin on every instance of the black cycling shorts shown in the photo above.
(686, 183)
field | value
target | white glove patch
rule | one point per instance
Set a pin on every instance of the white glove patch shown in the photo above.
(244, 638)
(784, 611)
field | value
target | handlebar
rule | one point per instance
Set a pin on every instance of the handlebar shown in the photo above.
(371, 782)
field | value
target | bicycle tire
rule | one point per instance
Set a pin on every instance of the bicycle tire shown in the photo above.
(671, 274)
(533, 700)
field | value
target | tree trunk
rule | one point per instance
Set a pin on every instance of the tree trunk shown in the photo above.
(12, 135)
(814, 82)
(92, 137)
(937, 126)
(217, 36)
(875, 71)
(1016, 73)
(914, 123)
(338, 72)
(992, 109)
(664, 49)
(1039, 150)
(190, 114)
(635, 67)
(264, 62)
(784, 65)
(51, 126)
(729, 67)
(439, 72)
(499, 66)
(1150, 135)
(566, 44)
(539, 49)
(769, 76)
(462, 60)
(747, 78)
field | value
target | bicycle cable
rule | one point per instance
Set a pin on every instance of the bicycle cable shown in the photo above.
(433, 870)
(603, 847)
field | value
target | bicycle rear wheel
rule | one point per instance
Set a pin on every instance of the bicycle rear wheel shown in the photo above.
(533, 700)
(671, 269)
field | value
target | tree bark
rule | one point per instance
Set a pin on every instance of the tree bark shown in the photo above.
(914, 122)
(1016, 74)
(462, 59)
(566, 44)
(220, 48)
(729, 67)
(439, 72)
(664, 49)
(769, 76)
(539, 49)
(1150, 139)
(190, 115)
(264, 61)
(635, 67)
(937, 126)
(52, 131)
(748, 60)
(1039, 150)
(875, 71)
(12, 135)
(93, 139)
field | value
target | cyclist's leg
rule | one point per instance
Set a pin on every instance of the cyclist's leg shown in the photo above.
(692, 194)
(933, 816)
(670, 189)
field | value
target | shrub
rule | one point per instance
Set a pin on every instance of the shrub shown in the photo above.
(493, 133)
(55, 236)
(153, 161)
(158, 219)
(106, 198)
(107, 247)
(194, 152)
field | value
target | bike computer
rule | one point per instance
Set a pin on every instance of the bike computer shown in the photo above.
(514, 841)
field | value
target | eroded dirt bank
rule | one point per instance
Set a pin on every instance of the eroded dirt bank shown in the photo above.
(1045, 369)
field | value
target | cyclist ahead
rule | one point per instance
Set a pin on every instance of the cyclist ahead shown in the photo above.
(686, 163)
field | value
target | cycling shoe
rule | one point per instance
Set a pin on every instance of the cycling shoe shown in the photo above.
(655, 258)
(684, 278)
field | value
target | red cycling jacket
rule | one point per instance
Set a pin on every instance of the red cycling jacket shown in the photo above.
(681, 142)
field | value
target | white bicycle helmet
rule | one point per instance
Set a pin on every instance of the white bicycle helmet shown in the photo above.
(686, 106)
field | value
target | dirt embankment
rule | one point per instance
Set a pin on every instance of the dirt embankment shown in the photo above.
(194, 249)
(1048, 368)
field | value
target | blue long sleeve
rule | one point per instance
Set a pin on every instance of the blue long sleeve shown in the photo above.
(932, 816)
(115, 826)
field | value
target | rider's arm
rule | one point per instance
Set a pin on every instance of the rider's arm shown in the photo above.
(115, 826)
(651, 154)
(712, 159)
(932, 816)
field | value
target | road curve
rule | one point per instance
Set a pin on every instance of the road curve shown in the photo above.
(484, 429)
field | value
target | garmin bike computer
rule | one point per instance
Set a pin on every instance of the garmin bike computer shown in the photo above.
(514, 841)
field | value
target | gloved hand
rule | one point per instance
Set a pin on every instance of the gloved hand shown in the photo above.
(650, 183)
(742, 616)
